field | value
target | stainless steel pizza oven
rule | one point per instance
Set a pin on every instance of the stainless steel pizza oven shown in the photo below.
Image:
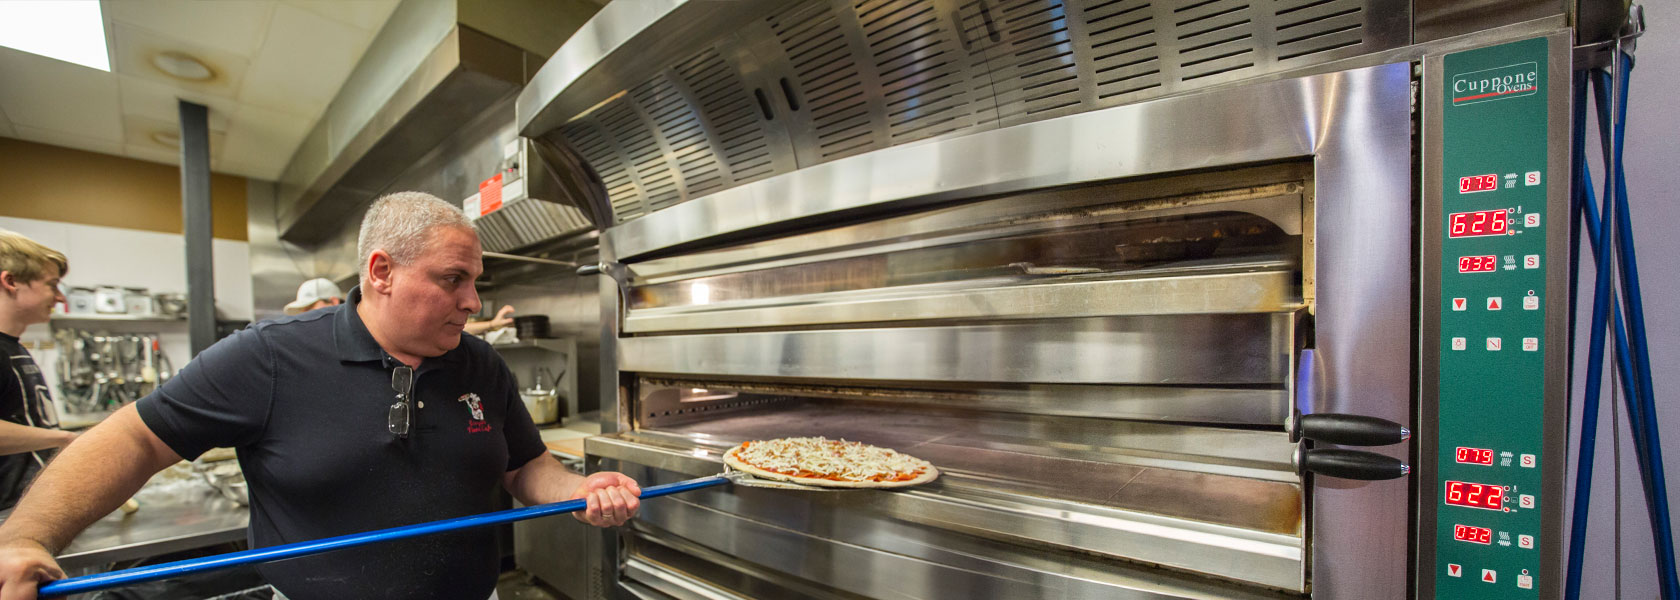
(1101, 372)
(1079, 261)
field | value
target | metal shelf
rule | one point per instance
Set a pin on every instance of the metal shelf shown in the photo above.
(117, 317)
(551, 345)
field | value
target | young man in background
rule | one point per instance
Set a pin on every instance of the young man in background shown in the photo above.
(29, 276)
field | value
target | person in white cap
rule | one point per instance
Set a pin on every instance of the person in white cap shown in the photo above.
(313, 294)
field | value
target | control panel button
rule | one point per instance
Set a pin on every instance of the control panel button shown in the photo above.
(1525, 581)
(1525, 541)
(1459, 343)
(1525, 501)
(1531, 178)
(1531, 219)
(1531, 303)
(1531, 261)
(1455, 570)
(1461, 304)
(1531, 344)
(1528, 461)
(1494, 344)
(1495, 303)
(1489, 576)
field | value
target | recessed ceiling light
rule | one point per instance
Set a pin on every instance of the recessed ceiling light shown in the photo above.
(182, 66)
(71, 31)
(172, 140)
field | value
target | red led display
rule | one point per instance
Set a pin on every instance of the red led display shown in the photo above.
(1477, 264)
(1477, 183)
(1475, 456)
(1471, 533)
(1475, 495)
(1481, 222)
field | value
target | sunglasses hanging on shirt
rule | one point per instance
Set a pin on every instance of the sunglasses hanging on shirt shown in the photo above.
(401, 415)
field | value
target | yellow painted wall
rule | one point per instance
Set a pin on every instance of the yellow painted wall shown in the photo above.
(52, 183)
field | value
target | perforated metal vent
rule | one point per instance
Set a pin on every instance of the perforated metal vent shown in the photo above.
(828, 81)
(1125, 56)
(1308, 27)
(806, 82)
(920, 65)
(729, 108)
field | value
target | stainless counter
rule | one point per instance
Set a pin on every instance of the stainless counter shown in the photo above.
(176, 513)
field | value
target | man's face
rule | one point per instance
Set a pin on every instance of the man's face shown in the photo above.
(36, 298)
(432, 296)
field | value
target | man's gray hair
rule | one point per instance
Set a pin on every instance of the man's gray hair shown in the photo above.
(398, 224)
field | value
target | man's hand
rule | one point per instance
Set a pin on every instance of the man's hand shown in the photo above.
(503, 318)
(66, 438)
(612, 497)
(24, 566)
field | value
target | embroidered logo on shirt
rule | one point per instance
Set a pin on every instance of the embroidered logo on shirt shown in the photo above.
(476, 406)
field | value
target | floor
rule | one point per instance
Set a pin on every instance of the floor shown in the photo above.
(519, 585)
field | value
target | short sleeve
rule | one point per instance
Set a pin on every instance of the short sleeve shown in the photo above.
(220, 399)
(524, 442)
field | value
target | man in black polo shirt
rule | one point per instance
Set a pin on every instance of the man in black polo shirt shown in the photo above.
(371, 414)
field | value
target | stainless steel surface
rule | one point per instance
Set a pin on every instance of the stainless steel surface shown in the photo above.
(176, 513)
(1273, 192)
(1437, 19)
(1227, 293)
(974, 508)
(424, 77)
(615, 24)
(1353, 128)
(1267, 122)
(1555, 450)
(821, 80)
(1178, 350)
(1210, 405)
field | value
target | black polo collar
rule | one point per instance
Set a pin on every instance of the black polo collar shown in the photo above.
(355, 344)
(351, 336)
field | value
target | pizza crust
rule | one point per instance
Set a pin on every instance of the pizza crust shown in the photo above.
(736, 463)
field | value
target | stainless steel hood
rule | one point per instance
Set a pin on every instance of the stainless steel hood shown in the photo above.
(435, 67)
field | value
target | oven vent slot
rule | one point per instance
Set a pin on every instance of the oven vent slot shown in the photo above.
(729, 113)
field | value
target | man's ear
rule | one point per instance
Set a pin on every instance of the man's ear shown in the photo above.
(9, 282)
(379, 270)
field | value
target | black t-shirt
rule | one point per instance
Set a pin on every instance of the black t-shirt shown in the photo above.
(25, 400)
(304, 399)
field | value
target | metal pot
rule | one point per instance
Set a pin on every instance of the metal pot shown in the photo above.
(543, 404)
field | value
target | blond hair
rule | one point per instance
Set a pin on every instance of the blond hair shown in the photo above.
(27, 259)
(397, 224)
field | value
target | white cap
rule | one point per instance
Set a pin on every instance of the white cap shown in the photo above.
(312, 291)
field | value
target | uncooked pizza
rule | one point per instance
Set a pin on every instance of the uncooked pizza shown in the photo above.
(829, 463)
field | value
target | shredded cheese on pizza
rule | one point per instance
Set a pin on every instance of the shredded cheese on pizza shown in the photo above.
(829, 459)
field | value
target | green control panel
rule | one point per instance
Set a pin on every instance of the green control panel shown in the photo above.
(1490, 423)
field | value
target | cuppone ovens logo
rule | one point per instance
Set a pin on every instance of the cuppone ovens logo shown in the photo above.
(1498, 83)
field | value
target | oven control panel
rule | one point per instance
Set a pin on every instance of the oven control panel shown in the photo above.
(1492, 379)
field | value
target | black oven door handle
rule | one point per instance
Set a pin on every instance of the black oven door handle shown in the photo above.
(1349, 464)
(1348, 430)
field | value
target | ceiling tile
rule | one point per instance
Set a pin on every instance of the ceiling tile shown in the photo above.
(264, 139)
(43, 93)
(236, 27)
(304, 60)
(67, 140)
(151, 153)
(362, 14)
(233, 168)
(153, 100)
(134, 49)
(141, 133)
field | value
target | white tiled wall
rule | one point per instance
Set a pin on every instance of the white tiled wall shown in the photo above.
(133, 258)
